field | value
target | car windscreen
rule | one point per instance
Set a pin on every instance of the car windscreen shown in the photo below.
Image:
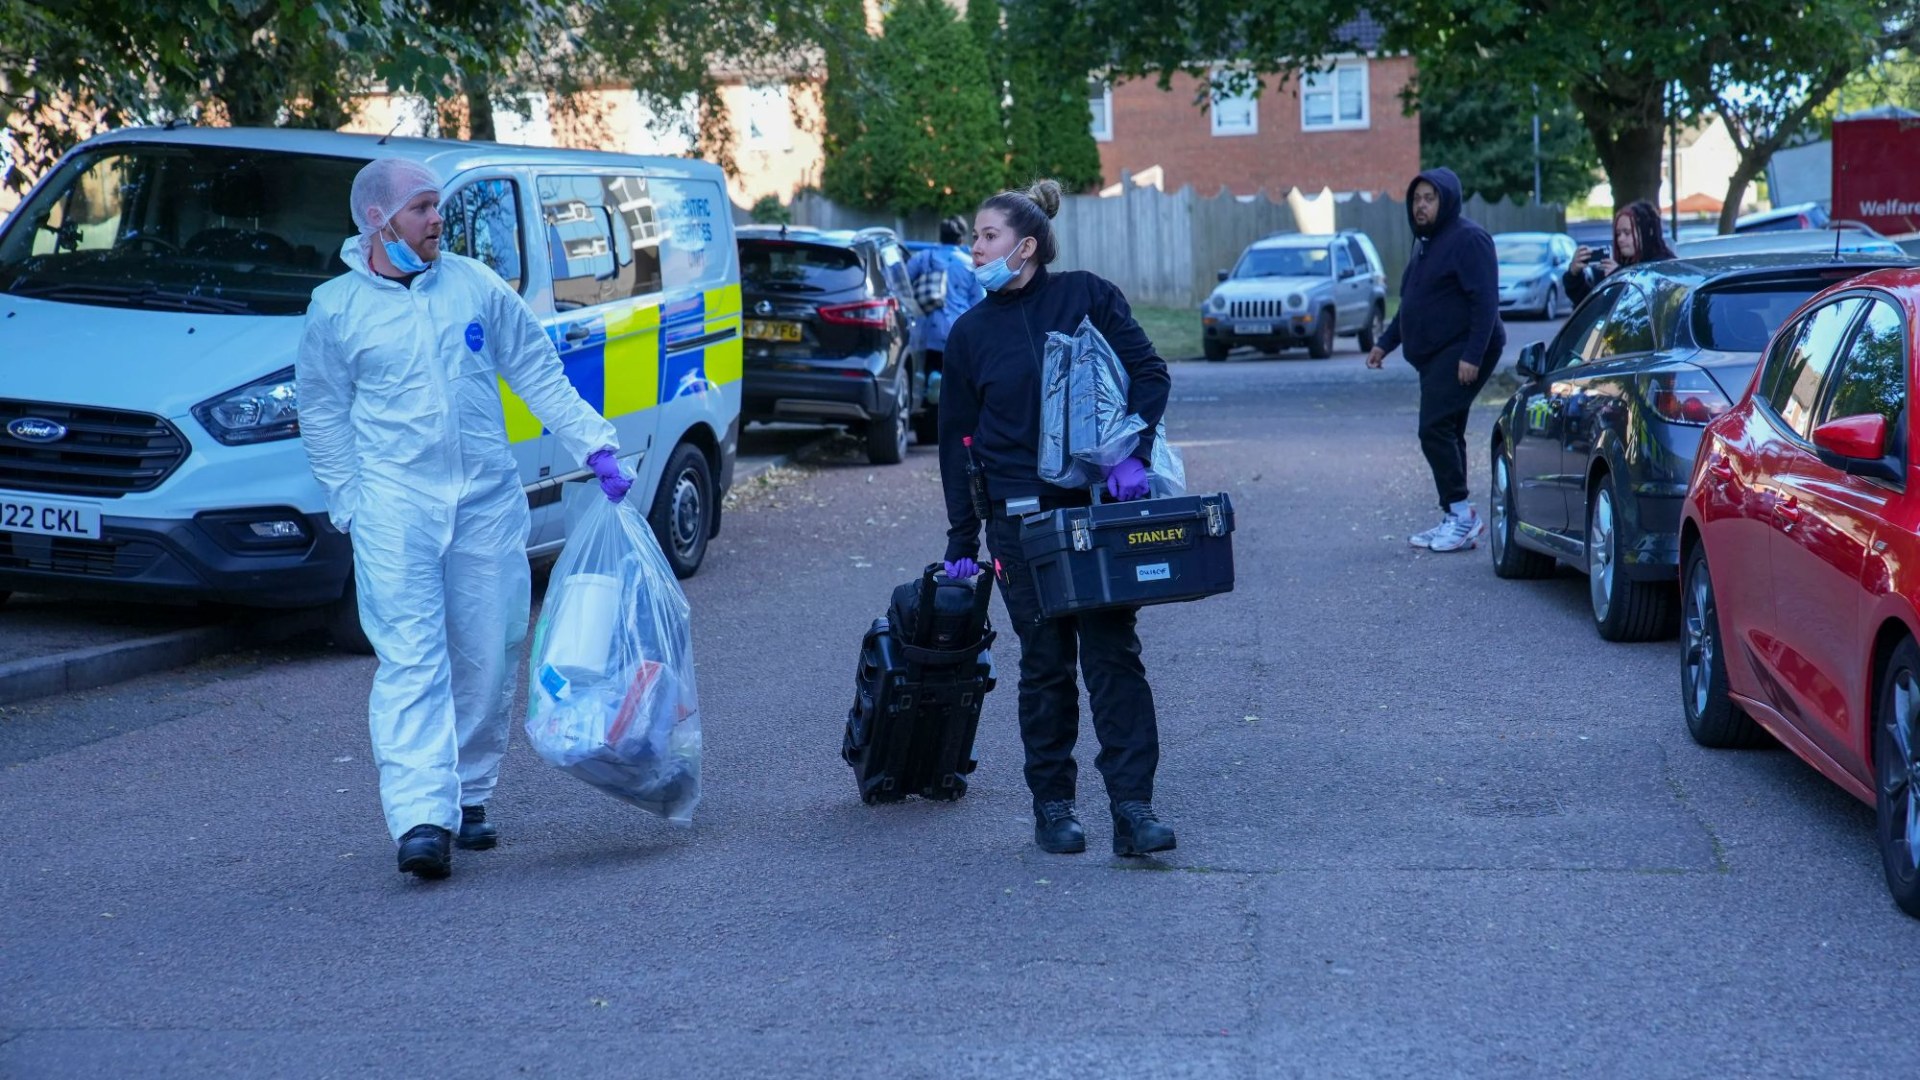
(790, 266)
(1285, 262)
(1521, 252)
(168, 227)
(1742, 316)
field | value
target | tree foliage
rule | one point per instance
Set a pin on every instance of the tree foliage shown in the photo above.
(1484, 132)
(1048, 124)
(927, 134)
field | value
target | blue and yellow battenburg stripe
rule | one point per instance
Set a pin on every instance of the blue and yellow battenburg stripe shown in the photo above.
(643, 353)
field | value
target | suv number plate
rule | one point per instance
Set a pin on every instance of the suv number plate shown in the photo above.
(42, 518)
(771, 330)
(1253, 328)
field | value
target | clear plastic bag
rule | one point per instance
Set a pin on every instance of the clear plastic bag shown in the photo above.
(1085, 428)
(611, 698)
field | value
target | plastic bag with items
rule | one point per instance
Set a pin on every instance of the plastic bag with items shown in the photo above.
(611, 699)
(1085, 427)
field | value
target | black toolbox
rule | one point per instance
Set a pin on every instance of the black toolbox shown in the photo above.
(1130, 554)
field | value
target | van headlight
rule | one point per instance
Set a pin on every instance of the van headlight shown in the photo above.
(257, 412)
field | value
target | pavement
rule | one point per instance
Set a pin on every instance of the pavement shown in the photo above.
(1430, 825)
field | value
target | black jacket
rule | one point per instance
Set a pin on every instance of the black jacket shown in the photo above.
(1450, 293)
(990, 387)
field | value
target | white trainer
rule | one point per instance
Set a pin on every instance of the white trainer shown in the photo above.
(1460, 533)
(1426, 539)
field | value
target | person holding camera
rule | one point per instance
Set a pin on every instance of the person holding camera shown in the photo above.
(1636, 239)
(990, 420)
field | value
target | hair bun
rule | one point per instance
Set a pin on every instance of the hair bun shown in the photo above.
(1046, 195)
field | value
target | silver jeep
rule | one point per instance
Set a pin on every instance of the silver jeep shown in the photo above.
(1292, 289)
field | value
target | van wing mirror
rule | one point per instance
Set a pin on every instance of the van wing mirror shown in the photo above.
(1533, 359)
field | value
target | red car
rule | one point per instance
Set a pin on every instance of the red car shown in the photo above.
(1800, 559)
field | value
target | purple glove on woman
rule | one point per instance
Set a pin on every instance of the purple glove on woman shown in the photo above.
(1128, 480)
(606, 466)
(962, 569)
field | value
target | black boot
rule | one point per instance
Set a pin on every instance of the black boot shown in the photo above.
(425, 852)
(475, 833)
(1136, 831)
(1057, 830)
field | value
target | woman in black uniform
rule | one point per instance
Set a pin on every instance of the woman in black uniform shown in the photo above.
(990, 393)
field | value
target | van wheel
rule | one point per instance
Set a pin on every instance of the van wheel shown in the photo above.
(682, 514)
(343, 622)
(887, 435)
(1320, 346)
(1376, 325)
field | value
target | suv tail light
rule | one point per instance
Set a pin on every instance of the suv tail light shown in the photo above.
(870, 313)
(1685, 397)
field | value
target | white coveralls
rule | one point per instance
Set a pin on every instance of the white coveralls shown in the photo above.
(401, 418)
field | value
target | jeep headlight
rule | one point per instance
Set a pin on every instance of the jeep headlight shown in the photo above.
(1296, 301)
(261, 411)
(1217, 302)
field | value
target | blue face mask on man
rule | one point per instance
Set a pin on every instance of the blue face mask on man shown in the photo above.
(995, 275)
(402, 256)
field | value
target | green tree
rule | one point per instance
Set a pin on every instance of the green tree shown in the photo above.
(1484, 132)
(1048, 125)
(928, 135)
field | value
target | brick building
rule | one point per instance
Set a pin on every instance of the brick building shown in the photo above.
(1342, 129)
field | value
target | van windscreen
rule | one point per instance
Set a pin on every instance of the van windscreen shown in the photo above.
(168, 227)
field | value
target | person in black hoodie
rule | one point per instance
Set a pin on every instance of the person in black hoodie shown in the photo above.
(990, 414)
(1449, 327)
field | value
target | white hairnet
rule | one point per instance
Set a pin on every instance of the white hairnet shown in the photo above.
(386, 185)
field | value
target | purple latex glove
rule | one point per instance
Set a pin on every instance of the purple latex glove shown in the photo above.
(1128, 480)
(606, 466)
(962, 569)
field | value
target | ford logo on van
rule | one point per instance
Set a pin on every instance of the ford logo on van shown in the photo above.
(34, 429)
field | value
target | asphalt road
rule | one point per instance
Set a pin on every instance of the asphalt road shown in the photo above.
(1429, 825)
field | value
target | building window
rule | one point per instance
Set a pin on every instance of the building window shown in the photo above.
(1335, 100)
(1100, 101)
(1234, 112)
(769, 118)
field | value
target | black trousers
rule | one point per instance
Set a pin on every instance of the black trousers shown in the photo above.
(1108, 651)
(1444, 407)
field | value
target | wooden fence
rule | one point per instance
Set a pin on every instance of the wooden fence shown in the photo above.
(1165, 249)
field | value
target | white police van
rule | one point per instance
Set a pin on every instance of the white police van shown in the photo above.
(152, 289)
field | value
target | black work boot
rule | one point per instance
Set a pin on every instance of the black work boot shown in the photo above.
(1057, 830)
(475, 833)
(1136, 831)
(425, 852)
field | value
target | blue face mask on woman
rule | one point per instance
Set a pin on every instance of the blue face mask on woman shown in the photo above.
(402, 257)
(995, 275)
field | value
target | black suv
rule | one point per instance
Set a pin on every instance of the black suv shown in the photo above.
(829, 321)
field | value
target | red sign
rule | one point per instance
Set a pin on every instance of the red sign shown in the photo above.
(1876, 174)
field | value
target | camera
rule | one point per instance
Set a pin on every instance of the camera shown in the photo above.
(1593, 272)
(1601, 253)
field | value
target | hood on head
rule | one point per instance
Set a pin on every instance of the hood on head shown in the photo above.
(1448, 185)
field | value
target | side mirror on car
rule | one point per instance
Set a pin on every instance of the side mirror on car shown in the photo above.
(1222, 276)
(1857, 445)
(1533, 359)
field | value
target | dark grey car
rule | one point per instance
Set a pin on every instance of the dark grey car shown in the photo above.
(1592, 455)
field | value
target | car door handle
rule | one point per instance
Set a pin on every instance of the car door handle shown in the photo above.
(578, 332)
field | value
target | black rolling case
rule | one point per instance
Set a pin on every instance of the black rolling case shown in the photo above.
(1130, 554)
(924, 669)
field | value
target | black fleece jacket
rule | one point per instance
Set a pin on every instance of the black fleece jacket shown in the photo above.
(990, 387)
(1450, 293)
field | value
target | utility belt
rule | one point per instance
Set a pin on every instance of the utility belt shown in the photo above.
(1028, 505)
